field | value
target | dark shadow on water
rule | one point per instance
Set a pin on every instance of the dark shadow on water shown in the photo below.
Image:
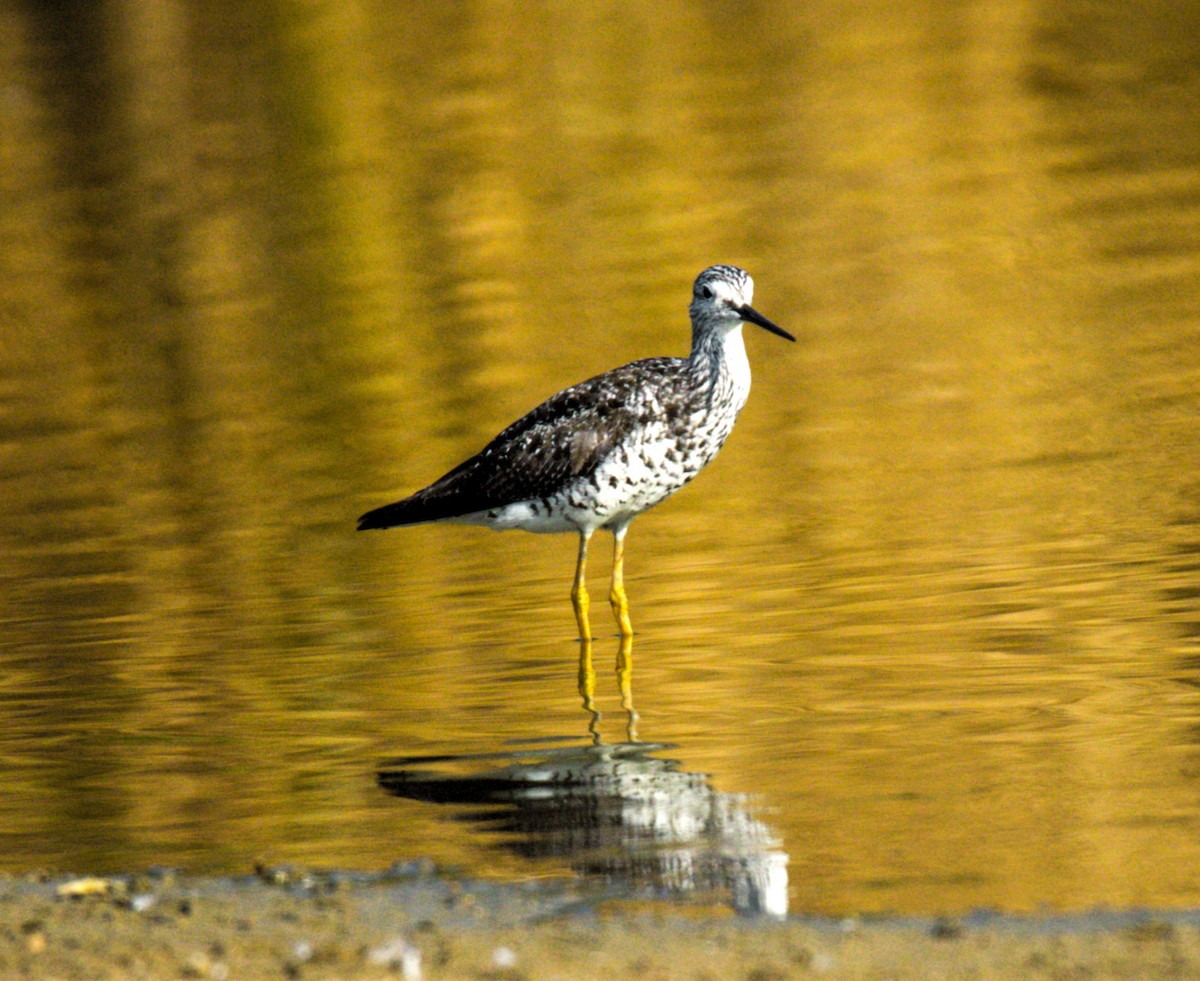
(619, 814)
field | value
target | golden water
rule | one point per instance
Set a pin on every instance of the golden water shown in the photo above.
(931, 620)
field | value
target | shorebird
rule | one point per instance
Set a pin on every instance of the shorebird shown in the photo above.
(598, 454)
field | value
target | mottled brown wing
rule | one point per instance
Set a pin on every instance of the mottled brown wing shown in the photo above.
(566, 437)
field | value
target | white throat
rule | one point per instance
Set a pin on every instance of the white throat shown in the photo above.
(737, 364)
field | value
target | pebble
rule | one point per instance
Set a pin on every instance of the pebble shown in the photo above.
(201, 965)
(398, 953)
(88, 885)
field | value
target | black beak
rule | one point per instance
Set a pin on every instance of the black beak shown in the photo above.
(753, 316)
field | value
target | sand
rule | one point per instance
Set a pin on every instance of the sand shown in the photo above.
(416, 923)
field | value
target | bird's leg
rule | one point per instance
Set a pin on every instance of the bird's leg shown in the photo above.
(587, 688)
(579, 593)
(625, 685)
(616, 595)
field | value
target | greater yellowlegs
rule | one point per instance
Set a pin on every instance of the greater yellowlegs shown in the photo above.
(598, 454)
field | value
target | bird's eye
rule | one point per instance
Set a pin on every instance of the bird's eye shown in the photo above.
(706, 292)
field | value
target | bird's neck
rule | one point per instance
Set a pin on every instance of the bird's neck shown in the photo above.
(719, 363)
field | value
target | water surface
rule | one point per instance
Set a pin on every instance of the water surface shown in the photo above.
(926, 634)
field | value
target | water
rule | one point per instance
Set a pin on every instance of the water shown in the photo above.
(924, 636)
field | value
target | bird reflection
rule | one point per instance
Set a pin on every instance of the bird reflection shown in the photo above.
(587, 686)
(615, 812)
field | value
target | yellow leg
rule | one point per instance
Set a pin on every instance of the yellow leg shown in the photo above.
(625, 685)
(616, 595)
(579, 593)
(587, 688)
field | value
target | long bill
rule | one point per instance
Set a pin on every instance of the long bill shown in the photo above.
(748, 313)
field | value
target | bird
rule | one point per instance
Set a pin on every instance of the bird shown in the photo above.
(598, 454)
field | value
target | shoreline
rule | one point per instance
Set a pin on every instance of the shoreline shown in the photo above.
(416, 923)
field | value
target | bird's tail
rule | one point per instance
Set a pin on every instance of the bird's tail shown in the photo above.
(390, 515)
(421, 507)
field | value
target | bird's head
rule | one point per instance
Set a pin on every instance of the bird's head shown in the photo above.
(721, 300)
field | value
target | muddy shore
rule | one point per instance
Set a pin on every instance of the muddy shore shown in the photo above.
(415, 923)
